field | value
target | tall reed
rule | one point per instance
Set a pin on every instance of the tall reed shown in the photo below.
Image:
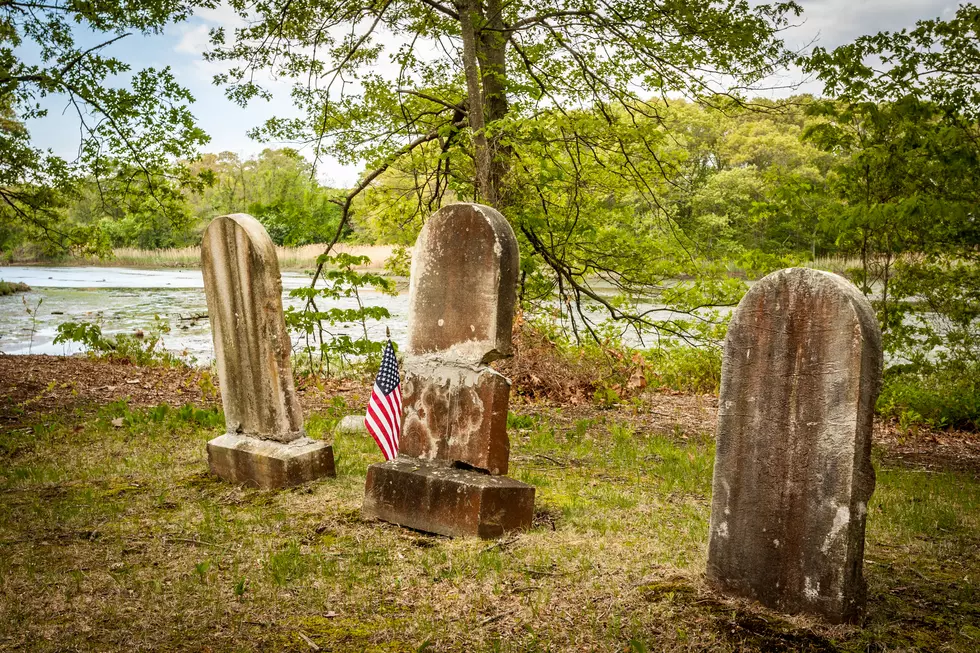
(290, 258)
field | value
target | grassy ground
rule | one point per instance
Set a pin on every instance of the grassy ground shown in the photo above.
(113, 536)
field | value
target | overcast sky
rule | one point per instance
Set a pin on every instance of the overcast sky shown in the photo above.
(828, 23)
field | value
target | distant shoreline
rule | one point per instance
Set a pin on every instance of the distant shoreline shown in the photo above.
(290, 258)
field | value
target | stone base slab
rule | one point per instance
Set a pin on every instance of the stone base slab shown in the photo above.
(436, 498)
(267, 464)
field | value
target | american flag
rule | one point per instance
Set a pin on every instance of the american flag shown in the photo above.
(384, 411)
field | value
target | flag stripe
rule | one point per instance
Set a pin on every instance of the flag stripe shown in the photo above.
(380, 419)
(396, 412)
(375, 431)
(380, 434)
(386, 410)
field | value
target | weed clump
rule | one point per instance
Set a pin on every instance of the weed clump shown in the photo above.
(145, 349)
(938, 398)
(10, 287)
(547, 366)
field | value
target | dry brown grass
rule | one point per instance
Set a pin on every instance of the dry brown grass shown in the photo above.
(540, 370)
(290, 258)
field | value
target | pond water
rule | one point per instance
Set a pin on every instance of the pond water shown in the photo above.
(125, 300)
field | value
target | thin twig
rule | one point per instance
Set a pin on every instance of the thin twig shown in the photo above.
(557, 462)
(309, 642)
(497, 617)
(502, 544)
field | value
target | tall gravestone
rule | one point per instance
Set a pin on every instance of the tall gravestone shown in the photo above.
(453, 451)
(793, 476)
(264, 444)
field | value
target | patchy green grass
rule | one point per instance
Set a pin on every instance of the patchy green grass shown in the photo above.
(113, 536)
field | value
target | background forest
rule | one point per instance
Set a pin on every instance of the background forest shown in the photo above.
(744, 181)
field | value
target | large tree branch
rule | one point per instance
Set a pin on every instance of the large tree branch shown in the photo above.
(433, 99)
(345, 203)
(441, 8)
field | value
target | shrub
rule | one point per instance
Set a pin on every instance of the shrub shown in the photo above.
(137, 348)
(548, 366)
(684, 368)
(938, 397)
(10, 287)
(323, 349)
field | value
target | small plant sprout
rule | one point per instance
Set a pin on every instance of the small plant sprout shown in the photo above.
(201, 569)
(32, 311)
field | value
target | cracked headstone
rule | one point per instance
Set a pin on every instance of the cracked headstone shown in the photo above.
(793, 476)
(453, 451)
(264, 444)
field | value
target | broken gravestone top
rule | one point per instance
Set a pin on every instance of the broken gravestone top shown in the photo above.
(463, 285)
(251, 345)
(453, 450)
(800, 376)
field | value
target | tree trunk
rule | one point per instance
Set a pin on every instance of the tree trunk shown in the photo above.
(492, 58)
(470, 20)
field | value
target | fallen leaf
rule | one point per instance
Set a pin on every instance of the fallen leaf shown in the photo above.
(118, 422)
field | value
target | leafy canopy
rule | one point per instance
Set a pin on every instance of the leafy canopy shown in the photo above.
(552, 111)
(904, 131)
(130, 133)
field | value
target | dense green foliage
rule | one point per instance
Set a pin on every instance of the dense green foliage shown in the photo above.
(131, 133)
(523, 107)
(137, 348)
(9, 288)
(278, 187)
(904, 128)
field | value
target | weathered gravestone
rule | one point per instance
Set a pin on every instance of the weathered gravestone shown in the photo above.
(453, 451)
(265, 445)
(793, 475)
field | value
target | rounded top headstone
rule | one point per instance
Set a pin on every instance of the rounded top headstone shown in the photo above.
(235, 225)
(800, 375)
(791, 296)
(252, 347)
(463, 285)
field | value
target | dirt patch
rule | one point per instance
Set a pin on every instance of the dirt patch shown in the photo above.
(928, 449)
(35, 384)
(670, 413)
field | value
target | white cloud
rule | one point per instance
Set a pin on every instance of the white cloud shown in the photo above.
(836, 22)
(194, 39)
